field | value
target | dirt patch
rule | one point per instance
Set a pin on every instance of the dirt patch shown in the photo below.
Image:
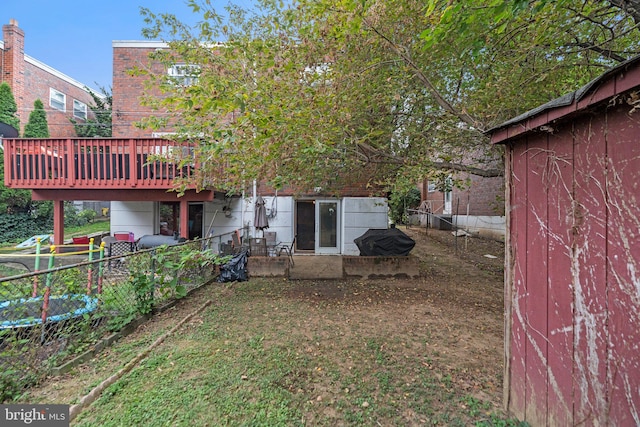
(456, 305)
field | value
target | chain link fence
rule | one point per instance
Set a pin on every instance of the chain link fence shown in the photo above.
(50, 316)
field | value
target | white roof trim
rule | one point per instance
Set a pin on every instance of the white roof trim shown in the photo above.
(59, 74)
(139, 43)
(154, 44)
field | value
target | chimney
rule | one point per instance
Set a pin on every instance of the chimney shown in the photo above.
(13, 65)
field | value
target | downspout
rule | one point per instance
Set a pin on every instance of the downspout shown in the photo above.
(253, 205)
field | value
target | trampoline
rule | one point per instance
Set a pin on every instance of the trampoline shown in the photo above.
(27, 312)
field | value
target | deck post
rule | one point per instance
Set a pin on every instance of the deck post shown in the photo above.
(58, 222)
(184, 219)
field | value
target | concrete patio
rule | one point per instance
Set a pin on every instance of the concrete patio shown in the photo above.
(307, 267)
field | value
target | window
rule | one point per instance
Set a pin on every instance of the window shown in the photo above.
(184, 74)
(79, 109)
(57, 100)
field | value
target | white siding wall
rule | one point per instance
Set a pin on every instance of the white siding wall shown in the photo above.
(486, 226)
(282, 222)
(358, 215)
(139, 218)
(216, 223)
(279, 209)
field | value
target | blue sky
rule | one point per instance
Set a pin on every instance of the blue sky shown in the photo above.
(74, 36)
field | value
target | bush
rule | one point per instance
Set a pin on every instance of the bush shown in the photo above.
(20, 226)
(89, 215)
(399, 202)
(71, 217)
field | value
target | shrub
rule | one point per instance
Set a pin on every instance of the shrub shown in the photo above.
(399, 202)
(89, 215)
(20, 226)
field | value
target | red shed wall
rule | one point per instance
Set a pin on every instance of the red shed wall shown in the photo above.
(573, 287)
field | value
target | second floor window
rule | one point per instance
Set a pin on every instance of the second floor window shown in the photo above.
(57, 100)
(79, 109)
(184, 74)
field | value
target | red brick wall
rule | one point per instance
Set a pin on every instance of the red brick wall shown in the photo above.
(37, 85)
(13, 58)
(485, 197)
(128, 89)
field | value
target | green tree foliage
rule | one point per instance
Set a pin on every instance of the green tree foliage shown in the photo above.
(400, 201)
(37, 126)
(8, 107)
(13, 200)
(100, 125)
(316, 93)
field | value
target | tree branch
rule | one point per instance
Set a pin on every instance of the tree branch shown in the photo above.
(402, 53)
(385, 158)
(607, 53)
(631, 7)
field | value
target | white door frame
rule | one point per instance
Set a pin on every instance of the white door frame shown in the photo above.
(328, 226)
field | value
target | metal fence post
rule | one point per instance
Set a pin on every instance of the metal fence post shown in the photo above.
(36, 278)
(90, 267)
(47, 290)
(101, 268)
(153, 274)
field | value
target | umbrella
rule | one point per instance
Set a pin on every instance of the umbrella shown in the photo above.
(8, 131)
(260, 221)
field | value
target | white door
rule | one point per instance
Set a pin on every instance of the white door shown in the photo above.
(447, 203)
(327, 227)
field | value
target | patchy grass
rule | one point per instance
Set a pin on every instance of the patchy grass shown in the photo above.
(270, 352)
(321, 353)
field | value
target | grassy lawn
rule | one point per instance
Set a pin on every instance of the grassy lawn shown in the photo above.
(270, 352)
(99, 225)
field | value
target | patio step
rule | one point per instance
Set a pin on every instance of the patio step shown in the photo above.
(316, 267)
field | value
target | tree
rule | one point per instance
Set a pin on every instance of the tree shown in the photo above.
(100, 126)
(322, 92)
(8, 107)
(37, 126)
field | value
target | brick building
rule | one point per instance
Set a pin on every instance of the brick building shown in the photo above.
(321, 223)
(30, 79)
(128, 88)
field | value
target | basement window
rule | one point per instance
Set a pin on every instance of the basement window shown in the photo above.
(57, 100)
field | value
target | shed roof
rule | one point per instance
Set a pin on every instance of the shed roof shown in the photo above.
(614, 81)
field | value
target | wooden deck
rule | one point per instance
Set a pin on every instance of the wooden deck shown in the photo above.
(134, 163)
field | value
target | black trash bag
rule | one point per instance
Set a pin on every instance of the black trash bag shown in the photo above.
(236, 269)
(384, 242)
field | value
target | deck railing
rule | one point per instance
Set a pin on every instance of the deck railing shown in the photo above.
(145, 163)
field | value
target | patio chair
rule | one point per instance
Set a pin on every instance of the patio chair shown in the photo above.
(236, 242)
(258, 246)
(272, 243)
(114, 247)
(287, 249)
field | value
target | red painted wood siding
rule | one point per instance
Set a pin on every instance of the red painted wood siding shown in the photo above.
(93, 163)
(574, 281)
